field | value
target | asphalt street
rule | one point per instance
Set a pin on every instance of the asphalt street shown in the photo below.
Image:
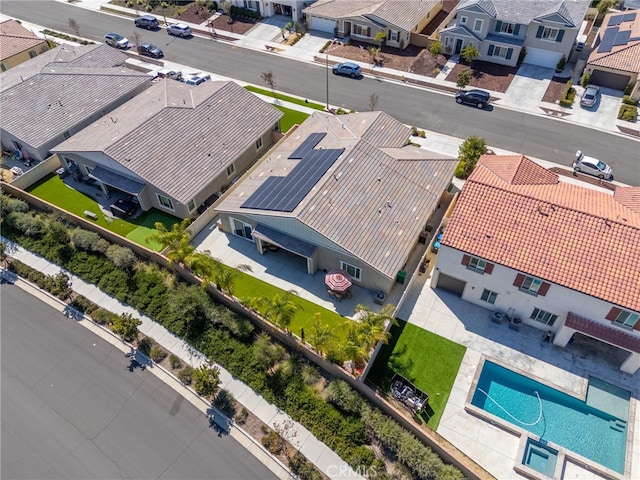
(536, 136)
(71, 409)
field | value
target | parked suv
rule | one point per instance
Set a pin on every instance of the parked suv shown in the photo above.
(179, 30)
(351, 69)
(592, 166)
(479, 98)
(147, 21)
(197, 79)
(116, 40)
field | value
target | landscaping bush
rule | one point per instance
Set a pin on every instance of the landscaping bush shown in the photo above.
(568, 94)
(628, 113)
(175, 361)
(343, 396)
(303, 469)
(25, 222)
(225, 403)
(125, 326)
(103, 316)
(186, 375)
(627, 100)
(628, 89)
(121, 257)
(157, 353)
(84, 305)
(273, 442)
(242, 416)
(145, 345)
(586, 78)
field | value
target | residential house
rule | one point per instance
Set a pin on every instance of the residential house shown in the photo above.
(342, 191)
(287, 8)
(502, 30)
(560, 256)
(55, 95)
(615, 59)
(174, 145)
(18, 44)
(363, 19)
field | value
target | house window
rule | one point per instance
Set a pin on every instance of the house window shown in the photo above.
(17, 144)
(191, 205)
(258, 143)
(241, 229)
(251, 4)
(488, 296)
(477, 264)
(362, 30)
(477, 25)
(276, 127)
(500, 52)
(531, 284)
(355, 272)
(627, 319)
(463, 20)
(508, 28)
(543, 317)
(164, 201)
(549, 34)
(231, 169)
(393, 36)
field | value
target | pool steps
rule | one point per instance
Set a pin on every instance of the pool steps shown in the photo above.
(618, 425)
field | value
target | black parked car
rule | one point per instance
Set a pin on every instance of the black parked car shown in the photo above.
(150, 50)
(148, 22)
(479, 98)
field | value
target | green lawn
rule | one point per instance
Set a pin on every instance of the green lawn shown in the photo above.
(429, 361)
(53, 190)
(291, 118)
(285, 98)
(246, 286)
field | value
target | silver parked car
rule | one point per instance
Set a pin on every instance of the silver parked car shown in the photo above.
(116, 40)
(590, 96)
(592, 166)
(179, 30)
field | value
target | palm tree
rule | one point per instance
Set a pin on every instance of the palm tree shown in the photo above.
(279, 309)
(321, 335)
(177, 240)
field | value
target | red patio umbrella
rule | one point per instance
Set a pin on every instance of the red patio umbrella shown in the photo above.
(338, 281)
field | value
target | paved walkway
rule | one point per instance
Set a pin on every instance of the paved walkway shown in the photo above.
(302, 439)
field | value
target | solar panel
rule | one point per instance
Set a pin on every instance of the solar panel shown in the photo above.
(305, 147)
(629, 17)
(622, 38)
(615, 20)
(607, 39)
(284, 194)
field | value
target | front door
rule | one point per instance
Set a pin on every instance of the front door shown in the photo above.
(458, 48)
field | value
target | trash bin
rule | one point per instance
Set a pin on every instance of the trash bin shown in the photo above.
(401, 276)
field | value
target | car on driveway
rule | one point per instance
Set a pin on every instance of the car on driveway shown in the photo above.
(172, 74)
(147, 21)
(116, 40)
(179, 30)
(347, 68)
(479, 98)
(197, 79)
(592, 166)
(150, 50)
(590, 96)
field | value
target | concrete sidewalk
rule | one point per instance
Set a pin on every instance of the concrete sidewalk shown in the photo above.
(300, 438)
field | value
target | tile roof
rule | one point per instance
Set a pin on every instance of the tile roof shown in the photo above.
(178, 137)
(582, 238)
(405, 14)
(613, 335)
(626, 57)
(44, 106)
(373, 201)
(14, 39)
(525, 11)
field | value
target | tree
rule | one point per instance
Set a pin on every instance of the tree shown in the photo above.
(373, 101)
(3, 253)
(206, 380)
(464, 77)
(121, 257)
(380, 37)
(469, 54)
(73, 25)
(436, 50)
(605, 5)
(177, 240)
(125, 326)
(279, 309)
(61, 285)
(137, 40)
(374, 53)
(364, 334)
(267, 354)
(226, 7)
(469, 152)
(321, 335)
(269, 78)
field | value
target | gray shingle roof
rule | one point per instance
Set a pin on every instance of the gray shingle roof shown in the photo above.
(177, 137)
(46, 105)
(524, 11)
(402, 13)
(375, 199)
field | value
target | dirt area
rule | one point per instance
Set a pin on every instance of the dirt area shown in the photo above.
(195, 14)
(554, 90)
(486, 75)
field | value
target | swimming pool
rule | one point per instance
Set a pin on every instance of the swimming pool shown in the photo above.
(557, 417)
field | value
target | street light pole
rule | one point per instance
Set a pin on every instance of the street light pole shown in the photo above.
(326, 55)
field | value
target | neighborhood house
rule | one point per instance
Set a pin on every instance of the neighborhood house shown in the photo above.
(17, 44)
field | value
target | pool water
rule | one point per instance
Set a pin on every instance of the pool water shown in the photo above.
(540, 457)
(557, 417)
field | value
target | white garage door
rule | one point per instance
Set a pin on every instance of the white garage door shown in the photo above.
(543, 58)
(322, 24)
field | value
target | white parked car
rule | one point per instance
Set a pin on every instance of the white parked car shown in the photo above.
(197, 79)
(179, 30)
(592, 166)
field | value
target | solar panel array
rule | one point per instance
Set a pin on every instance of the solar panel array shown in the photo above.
(607, 40)
(283, 194)
(618, 19)
(622, 38)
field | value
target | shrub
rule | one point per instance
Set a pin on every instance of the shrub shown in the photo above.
(10, 204)
(83, 239)
(627, 100)
(30, 225)
(586, 78)
(186, 375)
(125, 326)
(225, 403)
(628, 113)
(103, 316)
(523, 53)
(146, 345)
(568, 94)
(273, 442)
(174, 361)
(157, 353)
(241, 416)
(561, 64)
(84, 305)
(303, 469)
(343, 396)
(628, 89)
(121, 257)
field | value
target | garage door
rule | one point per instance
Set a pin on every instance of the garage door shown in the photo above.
(322, 24)
(542, 58)
(610, 80)
(451, 284)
